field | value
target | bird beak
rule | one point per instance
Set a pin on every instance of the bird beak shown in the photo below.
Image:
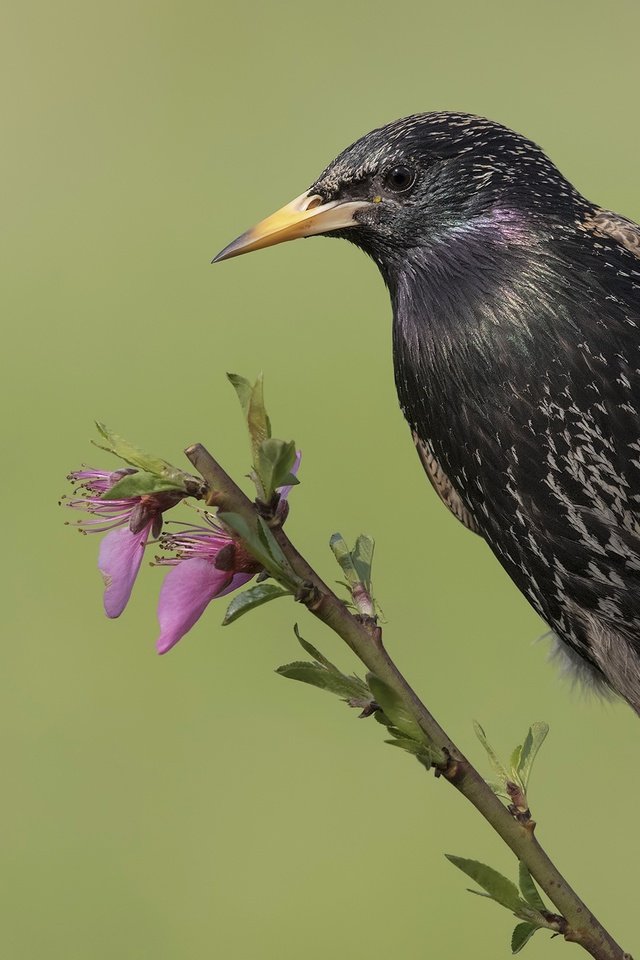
(305, 216)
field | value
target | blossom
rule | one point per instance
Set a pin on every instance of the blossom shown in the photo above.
(209, 563)
(128, 523)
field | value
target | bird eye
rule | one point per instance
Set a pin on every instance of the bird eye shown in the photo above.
(399, 179)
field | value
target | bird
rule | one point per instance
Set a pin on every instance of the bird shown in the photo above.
(516, 354)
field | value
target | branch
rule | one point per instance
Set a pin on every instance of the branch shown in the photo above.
(364, 637)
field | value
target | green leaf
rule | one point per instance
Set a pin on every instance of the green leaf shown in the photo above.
(493, 756)
(411, 746)
(140, 484)
(271, 544)
(324, 674)
(250, 599)
(250, 537)
(521, 935)
(131, 454)
(274, 460)
(514, 763)
(394, 708)
(313, 652)
(500, 790)
(479, 893)
(243, 388)
(264, 548)
(529, 889)
(419, 750)
(251, 397)
(356, 563)
(362, 556)
(498, 887)
(533, 741)
(343, 555)
(289, 481)
(319, 676)
(259, 425)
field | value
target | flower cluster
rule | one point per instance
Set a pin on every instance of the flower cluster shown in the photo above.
(208, 562)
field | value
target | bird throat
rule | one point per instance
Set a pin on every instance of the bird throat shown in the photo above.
(469, 320)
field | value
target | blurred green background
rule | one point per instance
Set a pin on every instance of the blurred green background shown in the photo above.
(198, 805)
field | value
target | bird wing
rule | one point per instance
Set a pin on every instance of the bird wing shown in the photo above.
(565, 517)
(565, 522)
(606, 223)
(443, 486)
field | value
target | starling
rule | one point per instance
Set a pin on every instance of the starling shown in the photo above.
(516, 342)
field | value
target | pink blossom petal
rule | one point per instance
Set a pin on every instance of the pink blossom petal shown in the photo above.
(121, 553)
(186, 591)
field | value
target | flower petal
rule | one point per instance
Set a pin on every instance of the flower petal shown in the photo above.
(187, 590)
(121, 553)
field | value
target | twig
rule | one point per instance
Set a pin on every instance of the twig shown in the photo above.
(364, 637)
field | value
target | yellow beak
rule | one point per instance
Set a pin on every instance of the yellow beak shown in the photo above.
(305, 216)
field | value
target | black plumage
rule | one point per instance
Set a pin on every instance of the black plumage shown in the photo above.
(516, 338)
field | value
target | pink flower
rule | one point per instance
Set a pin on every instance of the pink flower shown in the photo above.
(129, 522)
(209, 563)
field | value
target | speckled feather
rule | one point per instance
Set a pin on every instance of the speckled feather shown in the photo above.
(517, 361)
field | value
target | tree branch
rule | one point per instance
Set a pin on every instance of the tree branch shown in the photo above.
(364, 637)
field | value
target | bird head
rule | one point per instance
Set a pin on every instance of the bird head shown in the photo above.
(416, 181)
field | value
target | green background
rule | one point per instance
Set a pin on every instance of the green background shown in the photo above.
(197, 805)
